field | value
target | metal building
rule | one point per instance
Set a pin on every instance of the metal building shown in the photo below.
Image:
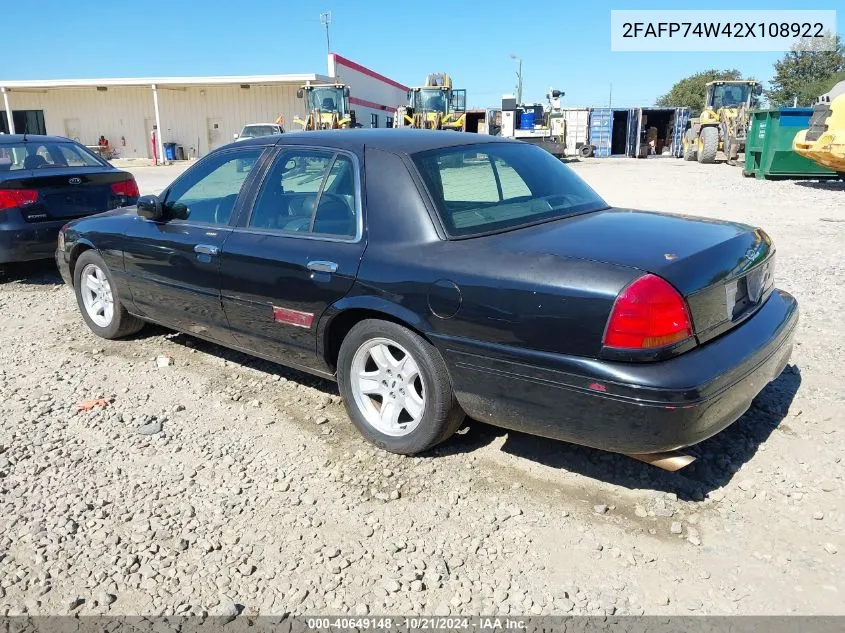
(196, 113)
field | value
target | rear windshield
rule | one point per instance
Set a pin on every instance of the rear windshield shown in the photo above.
(492, 187)
(255, 131)
(40, 155)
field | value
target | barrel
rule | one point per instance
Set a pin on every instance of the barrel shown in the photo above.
(526, 120)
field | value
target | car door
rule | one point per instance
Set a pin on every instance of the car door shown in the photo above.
(173, 264)
(294, 253)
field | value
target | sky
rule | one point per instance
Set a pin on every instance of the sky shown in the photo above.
(563, 44)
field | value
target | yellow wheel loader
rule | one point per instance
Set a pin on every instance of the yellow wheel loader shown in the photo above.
(434, 106)
(720, 130)
(824, 142)
(328, 107)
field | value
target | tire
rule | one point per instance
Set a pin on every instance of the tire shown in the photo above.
(426, 381)
(689, 146)
(111, 324)
(708, 145)
(586, 151)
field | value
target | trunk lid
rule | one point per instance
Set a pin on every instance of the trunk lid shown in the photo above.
(66, 194)
(723, 269)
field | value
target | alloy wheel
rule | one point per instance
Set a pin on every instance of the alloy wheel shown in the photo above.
(97, 295)
(387, 386)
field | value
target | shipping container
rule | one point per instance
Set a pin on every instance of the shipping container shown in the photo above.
(631, 131)
(601, 127)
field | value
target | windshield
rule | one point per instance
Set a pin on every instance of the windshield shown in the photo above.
(493, 187)
(430, 100)
(41, 155)
(327, 100)
(730, 95)
(254, 131)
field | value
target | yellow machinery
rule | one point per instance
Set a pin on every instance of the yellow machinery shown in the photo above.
(824, 142)
(720, 130)
(434, 106)
(328, 107)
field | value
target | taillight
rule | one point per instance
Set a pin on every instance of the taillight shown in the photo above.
(61, 243)
(128, 188)
(649, 313)
(11, 198)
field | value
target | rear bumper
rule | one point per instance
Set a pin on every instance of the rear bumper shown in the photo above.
(28, 242)
(626, 407)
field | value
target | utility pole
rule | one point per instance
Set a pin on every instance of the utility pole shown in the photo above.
(519, 79)
(325, 20)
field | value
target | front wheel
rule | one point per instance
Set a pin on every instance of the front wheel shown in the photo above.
(708, 145)
(396, 388)
(99, 301)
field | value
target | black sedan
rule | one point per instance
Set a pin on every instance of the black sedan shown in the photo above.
(46, 181)
(437, 275)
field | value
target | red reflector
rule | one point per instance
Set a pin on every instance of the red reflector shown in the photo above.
(649, 313)
(292, 317)
(597, 386)
(128, 188)
(11, 198)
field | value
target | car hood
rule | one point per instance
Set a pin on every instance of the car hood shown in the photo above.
(691, 253)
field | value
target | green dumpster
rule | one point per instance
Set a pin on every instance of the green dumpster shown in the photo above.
(768, 148)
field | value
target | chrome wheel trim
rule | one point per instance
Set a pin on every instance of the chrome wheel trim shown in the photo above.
(388, 387)
(97, 295)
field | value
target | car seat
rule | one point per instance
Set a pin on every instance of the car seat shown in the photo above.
(334, 217)
(33, 161)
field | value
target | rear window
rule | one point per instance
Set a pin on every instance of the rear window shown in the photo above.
(491, 187)
(40, 155)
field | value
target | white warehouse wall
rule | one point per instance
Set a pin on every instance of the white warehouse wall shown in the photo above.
(187, 114)
(370, 92)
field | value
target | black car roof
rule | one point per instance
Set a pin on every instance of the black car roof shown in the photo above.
(400, 141)
(6, 139)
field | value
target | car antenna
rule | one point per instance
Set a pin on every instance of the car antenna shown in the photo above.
(25, 129)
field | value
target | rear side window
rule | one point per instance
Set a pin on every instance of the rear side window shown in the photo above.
(308, 192)
(38, 155)
(491, 187)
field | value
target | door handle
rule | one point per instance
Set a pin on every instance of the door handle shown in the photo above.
(206, 249)
(322, 267)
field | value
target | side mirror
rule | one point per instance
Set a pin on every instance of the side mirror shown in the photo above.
(149, 207)
(758, 89)
(235, 136)
(346, 91)
(299, 93)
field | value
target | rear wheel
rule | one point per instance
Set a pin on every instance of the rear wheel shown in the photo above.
(586, 151)
(99, 301)
(708, 145)
(396, 388)
(689, 146)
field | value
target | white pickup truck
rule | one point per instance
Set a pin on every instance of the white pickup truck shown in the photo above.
(254, 130)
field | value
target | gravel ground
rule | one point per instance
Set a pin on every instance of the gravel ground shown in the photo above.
(212, 482)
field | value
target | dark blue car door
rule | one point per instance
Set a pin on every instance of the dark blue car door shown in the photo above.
(173, 264)
(294, 252)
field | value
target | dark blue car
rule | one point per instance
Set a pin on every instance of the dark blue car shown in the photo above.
(47, 181)
(435, 274)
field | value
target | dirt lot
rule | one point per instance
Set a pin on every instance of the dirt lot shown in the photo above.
(258, 494)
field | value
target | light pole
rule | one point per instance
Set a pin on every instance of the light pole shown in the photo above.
(325, 20)
(519, 79)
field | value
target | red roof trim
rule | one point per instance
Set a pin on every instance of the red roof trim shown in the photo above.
(370, 104)
(339, 59)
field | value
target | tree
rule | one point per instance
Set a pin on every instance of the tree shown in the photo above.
(806, 71)
(691, 91)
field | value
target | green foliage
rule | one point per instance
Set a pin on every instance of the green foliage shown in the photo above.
(691, 91)
(806, 72)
